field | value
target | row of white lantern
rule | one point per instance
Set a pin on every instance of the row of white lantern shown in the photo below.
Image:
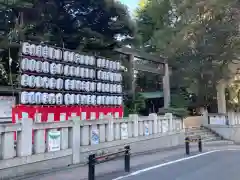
(109, 76)
(68, 99)
(105, 63)
(67, 56)
(76, 85)
(53, 68)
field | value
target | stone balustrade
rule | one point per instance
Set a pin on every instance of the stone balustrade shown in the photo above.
(32, 146)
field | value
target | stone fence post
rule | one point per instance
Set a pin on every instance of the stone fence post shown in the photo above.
(24, 147)
(134, 118)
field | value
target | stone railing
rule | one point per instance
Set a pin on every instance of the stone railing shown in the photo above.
(69, 142)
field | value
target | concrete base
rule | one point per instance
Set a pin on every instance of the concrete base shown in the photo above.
(138, 145)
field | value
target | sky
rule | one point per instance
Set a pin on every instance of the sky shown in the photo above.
(132, 4)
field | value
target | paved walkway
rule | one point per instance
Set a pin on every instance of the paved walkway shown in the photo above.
(219, 165)
(113, 169)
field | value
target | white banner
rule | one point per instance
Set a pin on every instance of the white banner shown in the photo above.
(54, 140)
(146, 129)
(124, 131)
(6, 104)
(95, 135)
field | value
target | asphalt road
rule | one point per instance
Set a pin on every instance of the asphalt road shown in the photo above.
(220, 165)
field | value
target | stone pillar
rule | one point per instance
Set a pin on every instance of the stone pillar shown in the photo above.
(131, 74)
(221, 100)
(166, 87)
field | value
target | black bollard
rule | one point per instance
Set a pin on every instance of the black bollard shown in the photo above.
(200, 144)
(127, 159)
(187, 145)
(91, 167)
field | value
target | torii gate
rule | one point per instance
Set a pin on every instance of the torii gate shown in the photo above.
(162, 69)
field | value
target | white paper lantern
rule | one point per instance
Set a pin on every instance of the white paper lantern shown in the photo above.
(77, 99)
(111, 76)
(86, 74)
(107, 64)
(45, 51)
(59, 99)
(26, 48)
(66, 70)
(92, 86)
(107, 100)
(110, 65)
(45, 98)
(53, 68)
(67, 99)
(52, 83)
(107, 76)
(38, 66)
(31, 65)
(59, 84)
(103, 100)
(119, 88)
(51, 52)
(67, 84)
(87, 86)
(82, 59)
(114, 65)
(24, 97)
(77, 71)
(118, 66)
(81, 88)
(38, 81)
(66, 56)
(71, 56)
(72, 84)
(82, 72)
(111, 88)
(31, 98)
(83, 99)
(72, 71)
(31, 81)
(92, 73)
(77, 58)
(24, 64)
(99, 62)
(98, 100)
(24, 80)
(72, 99)
(114, 88)
(99, 74)
(45, 82)
(93, 99)
(83, 85)
(120, 100)
(38, 97)
(99, 87)
(78, 85)
(110, 100)
(92, 60)
(58, 54)
(86, 59)
(103, 87)
(107, 87)
(54, 55)
(45, 67)
(89, 99)
(52, 98)
(103, 75)
(32, 50)
(39, 51)
(103, 63)
(59, 68)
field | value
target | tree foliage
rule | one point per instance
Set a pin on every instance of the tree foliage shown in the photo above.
(84, 25)
(199, 38)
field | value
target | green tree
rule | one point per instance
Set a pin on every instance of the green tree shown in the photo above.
(199, 38)
(86, 25)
